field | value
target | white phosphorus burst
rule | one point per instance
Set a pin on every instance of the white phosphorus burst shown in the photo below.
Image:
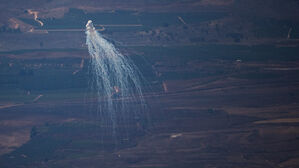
(117, 83)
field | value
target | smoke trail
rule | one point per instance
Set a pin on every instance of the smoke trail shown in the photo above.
(117, 82)
(35, 14)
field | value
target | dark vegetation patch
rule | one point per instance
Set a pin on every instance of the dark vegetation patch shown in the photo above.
(65, 141)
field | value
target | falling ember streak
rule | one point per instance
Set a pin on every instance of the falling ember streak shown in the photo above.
(165, 87)
(182, 20)
(289, 33)
(37, 98)
(116, 89)
(35, 14)
(82, 63)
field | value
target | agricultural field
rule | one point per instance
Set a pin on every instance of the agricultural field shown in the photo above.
(221, 85)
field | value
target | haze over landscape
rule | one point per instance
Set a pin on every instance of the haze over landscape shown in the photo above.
(155, 84)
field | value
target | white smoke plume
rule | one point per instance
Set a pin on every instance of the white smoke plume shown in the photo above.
(116, 80)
